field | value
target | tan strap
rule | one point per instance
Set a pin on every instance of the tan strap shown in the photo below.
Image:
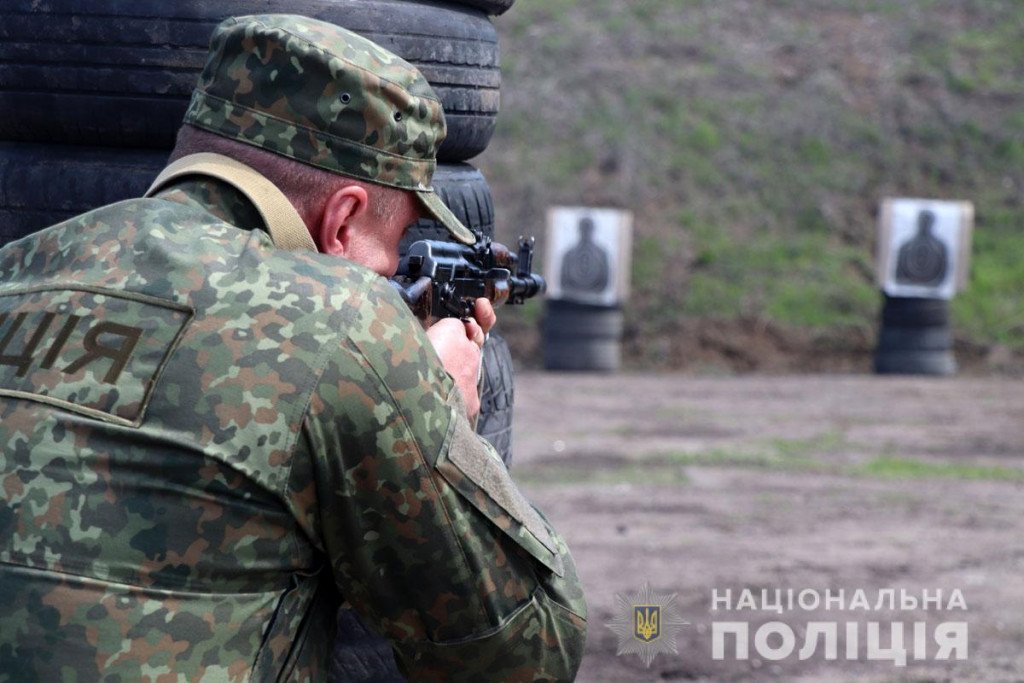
(286, 227)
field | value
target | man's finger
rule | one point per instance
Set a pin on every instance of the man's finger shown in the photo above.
(484, 313)
(475, 333)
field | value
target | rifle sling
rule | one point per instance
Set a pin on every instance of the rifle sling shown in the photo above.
(287, 229)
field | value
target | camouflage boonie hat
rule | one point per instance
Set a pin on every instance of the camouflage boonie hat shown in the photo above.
(312, 91)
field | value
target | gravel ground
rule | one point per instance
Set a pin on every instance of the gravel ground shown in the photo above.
(804, 483)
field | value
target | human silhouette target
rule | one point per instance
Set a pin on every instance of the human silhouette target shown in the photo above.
(587, 254)
(585, 268)
(923, 259)
(924, 247)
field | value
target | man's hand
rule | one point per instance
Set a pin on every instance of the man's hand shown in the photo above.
(458, 343)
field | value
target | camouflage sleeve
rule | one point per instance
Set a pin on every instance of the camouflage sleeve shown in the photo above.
(428, 537)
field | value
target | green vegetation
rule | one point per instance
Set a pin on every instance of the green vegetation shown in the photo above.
(737, 458)
(905, 468)
(776, 454)
(826, 442)
(821, 453)
(770, 276)
(669, 469)
(641, 473)
(755, 144)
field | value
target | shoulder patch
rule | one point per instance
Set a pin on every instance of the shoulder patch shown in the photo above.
(93, 351)
(482, 479)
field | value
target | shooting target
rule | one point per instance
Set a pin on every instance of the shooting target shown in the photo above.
(923, 247)
(587, 255)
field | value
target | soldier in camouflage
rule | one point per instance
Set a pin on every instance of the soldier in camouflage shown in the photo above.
(209, 442)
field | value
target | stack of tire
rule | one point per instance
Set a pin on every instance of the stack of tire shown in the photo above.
(582, 336)
(92, 94)
(914, 338)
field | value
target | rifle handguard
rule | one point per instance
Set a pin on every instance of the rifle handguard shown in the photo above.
(443, 279)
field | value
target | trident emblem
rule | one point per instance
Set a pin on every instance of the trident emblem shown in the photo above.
(647, 618)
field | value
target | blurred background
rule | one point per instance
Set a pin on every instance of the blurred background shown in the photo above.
(754, 142)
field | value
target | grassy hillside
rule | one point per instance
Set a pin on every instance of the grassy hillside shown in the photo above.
(754, 142)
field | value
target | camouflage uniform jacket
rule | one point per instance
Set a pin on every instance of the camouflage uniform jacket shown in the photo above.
(206, 440)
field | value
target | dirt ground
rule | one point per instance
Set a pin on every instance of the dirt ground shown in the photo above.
(810, 482)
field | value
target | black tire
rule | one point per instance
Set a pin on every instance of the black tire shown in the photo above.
(565, 320)
(464, 190)
(907, 303)
(45, 184)
(914, 312)
(492, 7)
(936, 363)
(360, 655)
(582, 337)
(121, 72)
(578, 354)
(497, 396)
(915, 339)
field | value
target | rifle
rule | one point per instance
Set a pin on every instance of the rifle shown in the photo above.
(440, 279)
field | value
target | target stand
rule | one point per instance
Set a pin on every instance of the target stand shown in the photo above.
(924, 248)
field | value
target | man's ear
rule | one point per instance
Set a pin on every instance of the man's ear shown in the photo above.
(342, 209)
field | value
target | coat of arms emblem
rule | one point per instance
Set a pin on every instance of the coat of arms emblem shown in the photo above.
(647, 619)
(647, 624)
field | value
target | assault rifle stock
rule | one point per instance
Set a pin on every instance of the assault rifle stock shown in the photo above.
(442, 279)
